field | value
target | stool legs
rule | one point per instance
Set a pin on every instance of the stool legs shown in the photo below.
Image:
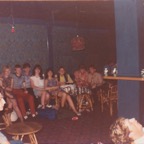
(88, 102)
(33, 138)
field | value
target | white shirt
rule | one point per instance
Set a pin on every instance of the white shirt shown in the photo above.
(140, 140)
(38, 82)
(95, 79)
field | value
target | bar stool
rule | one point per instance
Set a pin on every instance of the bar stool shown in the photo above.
(84, 99)
(108, 98)
(113, 97)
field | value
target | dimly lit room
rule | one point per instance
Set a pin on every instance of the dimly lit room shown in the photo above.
(71, 72)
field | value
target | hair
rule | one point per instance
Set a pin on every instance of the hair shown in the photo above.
(26, 65)
(61, 67)
(37, 66)
(119, 133)
(6, 67)
(82, 66)
(65, 74)
(17, 66)
(92, 66)
(46, 73)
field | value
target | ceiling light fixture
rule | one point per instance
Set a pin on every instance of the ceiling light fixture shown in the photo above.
(78, 42)
(12, 19)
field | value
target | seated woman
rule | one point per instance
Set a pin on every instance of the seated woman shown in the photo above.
(6, 85)
(63, 77)
(127, 131)
(51, 85)
(37, 83)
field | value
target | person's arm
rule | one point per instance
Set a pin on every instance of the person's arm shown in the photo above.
(99, 80)
(49, 88)
(35, 87)
(11, 86)
(7, 88)
(24, 87)
(69, 79)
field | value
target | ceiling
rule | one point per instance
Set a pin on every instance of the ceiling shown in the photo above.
(91, 14)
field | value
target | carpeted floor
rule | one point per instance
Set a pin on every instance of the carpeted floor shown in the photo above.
(90, 128)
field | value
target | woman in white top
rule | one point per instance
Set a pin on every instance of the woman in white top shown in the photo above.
(37, 83)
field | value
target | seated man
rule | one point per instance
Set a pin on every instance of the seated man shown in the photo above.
(127, 131)
(21, 93)
(81, 77)
(95, 79)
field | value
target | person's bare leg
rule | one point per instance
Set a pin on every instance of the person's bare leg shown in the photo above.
(47, 98)
(71, 104)
(17, 110)
(43, 97)
(63, 98)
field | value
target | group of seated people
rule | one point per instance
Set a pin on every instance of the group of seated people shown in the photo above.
(23, 88)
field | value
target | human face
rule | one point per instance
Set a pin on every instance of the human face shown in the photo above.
(82, 70)
(92, 70)
(7, 72)
(135, 128)
(27, 70)
(37, 71)
(18, 71)
(50, 73)
(62, 71)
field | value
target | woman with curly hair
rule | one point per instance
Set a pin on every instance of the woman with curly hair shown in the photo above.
(127, 131)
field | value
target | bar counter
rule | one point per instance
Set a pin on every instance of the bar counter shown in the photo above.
(123, 78)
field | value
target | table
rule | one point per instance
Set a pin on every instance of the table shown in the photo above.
(19, 130)
(123, 78)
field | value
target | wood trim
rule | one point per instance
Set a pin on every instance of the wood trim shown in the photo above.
(123, 78)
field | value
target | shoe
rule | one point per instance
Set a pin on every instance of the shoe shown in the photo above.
(81, 110)
(33, 115)
(78, 114)
(88, 110)
(28, 113)
(25, 117)
(55, 107)
(43, 107)
(39, 106)
(48, 106)
(74, 118)
(36, 113)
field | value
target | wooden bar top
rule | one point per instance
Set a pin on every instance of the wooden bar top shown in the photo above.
(123, 78)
